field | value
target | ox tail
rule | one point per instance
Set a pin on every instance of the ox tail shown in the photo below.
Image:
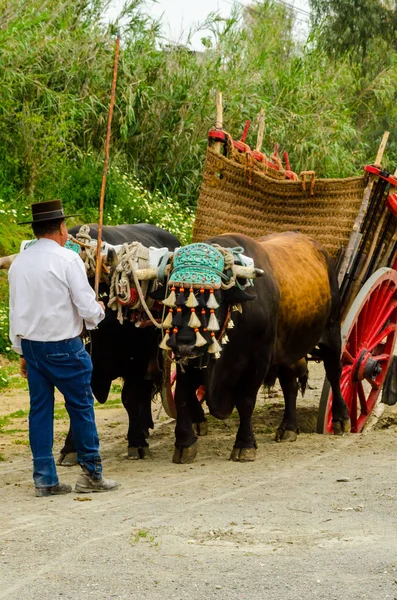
(302, 374)
(302, 383)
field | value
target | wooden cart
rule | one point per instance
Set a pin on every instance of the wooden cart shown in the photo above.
(353, 218)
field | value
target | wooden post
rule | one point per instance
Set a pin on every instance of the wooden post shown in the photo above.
(219, 120)
(387, 255)
(98, 264)
(352, 244)
(379, 156)
(363, 270)
(261, 130)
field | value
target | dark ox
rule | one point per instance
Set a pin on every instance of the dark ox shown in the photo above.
(289, 311)
(124, 350)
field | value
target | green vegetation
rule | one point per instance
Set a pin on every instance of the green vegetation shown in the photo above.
(143, 535)
(328, 100)
(8, 419)
(54, 91)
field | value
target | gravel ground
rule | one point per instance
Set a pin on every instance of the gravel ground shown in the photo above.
(314, 519)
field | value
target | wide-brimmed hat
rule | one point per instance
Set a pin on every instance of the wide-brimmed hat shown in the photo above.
(47, 211)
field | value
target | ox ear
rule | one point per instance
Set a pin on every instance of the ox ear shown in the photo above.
(237, 296)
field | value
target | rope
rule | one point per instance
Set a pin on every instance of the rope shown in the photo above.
(143, 302)
(88, 255)
(229, 256)
(130, 257)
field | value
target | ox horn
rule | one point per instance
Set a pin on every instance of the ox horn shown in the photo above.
(5, 261)
(150, 273)
(247, 272)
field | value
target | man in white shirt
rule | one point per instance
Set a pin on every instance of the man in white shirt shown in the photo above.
(50, 301)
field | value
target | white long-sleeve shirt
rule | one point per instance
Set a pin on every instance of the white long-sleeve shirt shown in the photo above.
(50, 296)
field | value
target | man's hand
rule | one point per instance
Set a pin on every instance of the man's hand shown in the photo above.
(23, 368)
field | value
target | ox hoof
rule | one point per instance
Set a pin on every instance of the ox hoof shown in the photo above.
(342, 426)
(138, 453)
(243, 454)
(67, 460)
(201, 428)
(286, 435)
(184, 456)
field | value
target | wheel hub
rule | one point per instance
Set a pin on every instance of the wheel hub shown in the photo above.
(365, 367)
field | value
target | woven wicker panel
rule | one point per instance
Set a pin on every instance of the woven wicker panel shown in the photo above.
(239, 198)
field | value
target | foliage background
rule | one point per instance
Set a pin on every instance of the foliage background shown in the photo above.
(328, 100)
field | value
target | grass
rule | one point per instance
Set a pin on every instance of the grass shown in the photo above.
(110, 403)
(60, 414)
(116, 388)
(145, 536)
(8, 419)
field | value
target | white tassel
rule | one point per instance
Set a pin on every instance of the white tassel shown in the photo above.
(200, 340)
(230, 323)
(194, 321)
(212, 303)
(167, 323)
(163, 343)
(217, 355)
(213, 324)
(215, 346)
(170, 301)
(192, 300)
(225, 338)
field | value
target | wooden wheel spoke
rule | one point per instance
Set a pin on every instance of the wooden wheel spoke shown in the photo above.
(347, 357)
(362, 398)
(353, 406)
(377, 338)
(346, 375)
(353, 340)
(362, 321)
(381, 357)
(365, 317)
(374, 385)
(381, 319)
(370, 326)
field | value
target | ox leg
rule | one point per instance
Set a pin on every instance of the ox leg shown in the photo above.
(288, 430)
(68, 456)
(185, 397)
(136, 395)
(200, 424)
(330, 347)
(244, 449)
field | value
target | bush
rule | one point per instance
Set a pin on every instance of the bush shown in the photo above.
(4, 381)
(5, 346)
(126, 199)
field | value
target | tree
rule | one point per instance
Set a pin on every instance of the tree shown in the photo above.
(356, 27)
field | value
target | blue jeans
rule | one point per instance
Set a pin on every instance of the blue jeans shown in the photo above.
(67, 366)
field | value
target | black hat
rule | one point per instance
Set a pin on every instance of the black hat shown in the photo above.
(47, 211)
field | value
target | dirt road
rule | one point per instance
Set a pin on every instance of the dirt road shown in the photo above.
(311, 520)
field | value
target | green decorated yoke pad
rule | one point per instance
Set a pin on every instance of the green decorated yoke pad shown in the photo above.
(198, 266)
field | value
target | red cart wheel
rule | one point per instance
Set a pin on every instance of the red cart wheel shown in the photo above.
(168, 386)
(368, 336)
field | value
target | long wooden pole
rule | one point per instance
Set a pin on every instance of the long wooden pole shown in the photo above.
(219, 119)
(98, 266)
(354, 237)
(261, 130)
